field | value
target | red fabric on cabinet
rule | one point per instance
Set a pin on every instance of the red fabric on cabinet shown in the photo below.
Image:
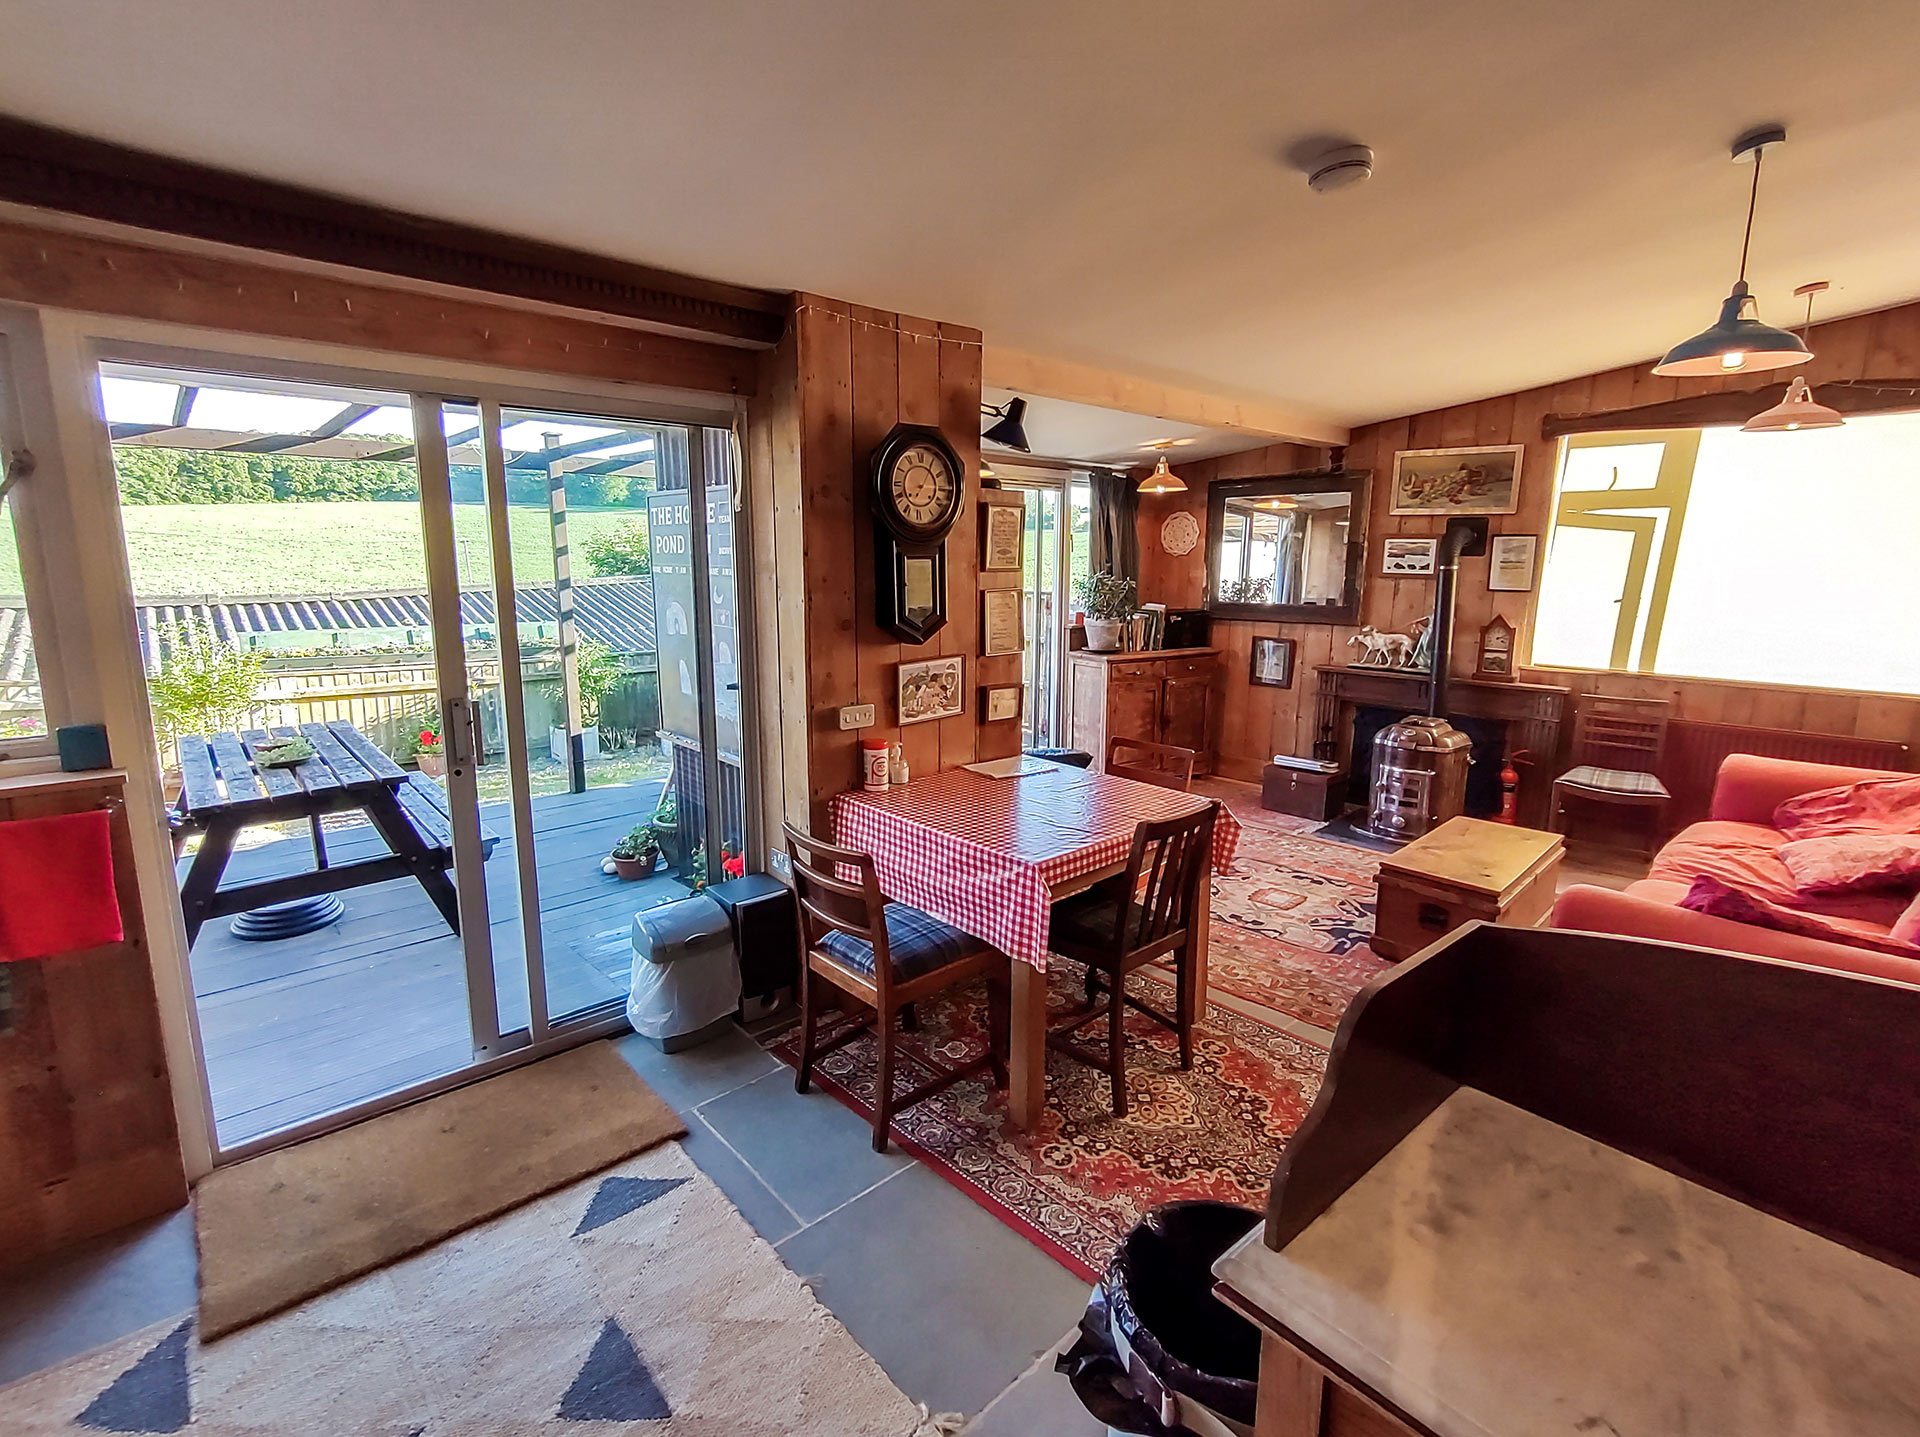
(56, 886)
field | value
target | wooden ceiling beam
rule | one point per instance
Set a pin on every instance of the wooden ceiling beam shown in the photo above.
(1033, 375)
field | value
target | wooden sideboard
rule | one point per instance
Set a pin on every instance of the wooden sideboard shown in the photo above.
(1159, 695)
(87, 1135)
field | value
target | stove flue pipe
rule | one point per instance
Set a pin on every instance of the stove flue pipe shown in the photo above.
(1463, 536)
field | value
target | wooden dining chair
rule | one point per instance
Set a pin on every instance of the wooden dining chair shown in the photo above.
(1112, 938)
(1617, 747)
(881, 957)
(1164, 764)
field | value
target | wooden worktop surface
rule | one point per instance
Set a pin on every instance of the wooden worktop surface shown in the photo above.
(1142, 655)
(1497, 1274)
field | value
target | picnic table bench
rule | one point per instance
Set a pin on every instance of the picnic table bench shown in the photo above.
(223, 789)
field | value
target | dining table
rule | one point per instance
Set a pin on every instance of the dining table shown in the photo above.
(991, 853)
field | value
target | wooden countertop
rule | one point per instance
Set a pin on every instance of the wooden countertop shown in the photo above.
(52, 780)
(1142, 656)
(1497, 1274)
(1476, 855)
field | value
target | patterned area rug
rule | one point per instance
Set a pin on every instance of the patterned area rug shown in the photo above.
(1289, 940)
(1291, 922)
(1077, 1184)
(635, 1300)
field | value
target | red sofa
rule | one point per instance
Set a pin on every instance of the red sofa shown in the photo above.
(1737, 844)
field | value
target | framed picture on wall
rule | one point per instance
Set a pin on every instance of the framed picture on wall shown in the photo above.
(1000, 704)
(1484, 479)
(1000, 625)
(1409, 558)
(932, 689)
(1510, 562)
(1002, 539)
(1272, 663)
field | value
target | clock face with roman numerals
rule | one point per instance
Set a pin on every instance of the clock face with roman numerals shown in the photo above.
(918, 484)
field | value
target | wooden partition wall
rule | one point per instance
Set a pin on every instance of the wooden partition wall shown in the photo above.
(842, 379)
(1258, 722)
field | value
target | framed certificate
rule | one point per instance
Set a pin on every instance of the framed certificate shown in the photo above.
(1510, 563)
(1002, 545)
(1000, 626)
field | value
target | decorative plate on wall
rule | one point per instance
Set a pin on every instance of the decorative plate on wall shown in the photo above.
(1180, 533)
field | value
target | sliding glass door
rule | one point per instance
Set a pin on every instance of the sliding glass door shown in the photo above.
(508, 641)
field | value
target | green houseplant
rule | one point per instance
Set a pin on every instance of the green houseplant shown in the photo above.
(666, 827)
(599, 671)
(1108, 601)
(635, 854)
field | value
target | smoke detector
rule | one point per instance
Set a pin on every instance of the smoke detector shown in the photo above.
(1340, 169)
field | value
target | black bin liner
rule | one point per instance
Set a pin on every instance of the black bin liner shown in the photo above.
(1157, 1298)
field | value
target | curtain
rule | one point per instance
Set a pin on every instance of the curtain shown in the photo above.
(1116, 535)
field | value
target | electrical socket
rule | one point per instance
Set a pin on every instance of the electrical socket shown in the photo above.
(856, 716)
(777, 861)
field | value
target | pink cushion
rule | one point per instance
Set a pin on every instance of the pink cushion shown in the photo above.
(1874, 805)
(1906, 928)
(1852, 860)
(1719, 900)
(1746, 856)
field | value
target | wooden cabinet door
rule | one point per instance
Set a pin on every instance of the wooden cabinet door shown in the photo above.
(1184, 713)
(1087, 708)
(1133, 708)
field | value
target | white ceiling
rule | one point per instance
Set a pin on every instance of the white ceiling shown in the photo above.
(1102, 181)
(1091, 435)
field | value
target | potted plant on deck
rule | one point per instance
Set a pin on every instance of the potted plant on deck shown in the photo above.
(430, 753)
(598, 670)
(634, 855)
(1108, 601)
(666, 828)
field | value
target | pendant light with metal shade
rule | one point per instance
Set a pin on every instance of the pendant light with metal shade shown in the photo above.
(1163, 480)
(1798, 410)
(1738, 342)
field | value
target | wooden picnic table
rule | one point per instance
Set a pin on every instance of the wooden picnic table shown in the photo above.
(225, 789)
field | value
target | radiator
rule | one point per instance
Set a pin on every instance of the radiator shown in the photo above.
(1694, 752)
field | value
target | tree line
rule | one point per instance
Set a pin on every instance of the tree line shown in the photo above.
(153, 475)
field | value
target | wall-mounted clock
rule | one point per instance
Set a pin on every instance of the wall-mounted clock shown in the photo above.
(919, 488)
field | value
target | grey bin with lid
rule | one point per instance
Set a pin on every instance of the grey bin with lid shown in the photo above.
(686, 979)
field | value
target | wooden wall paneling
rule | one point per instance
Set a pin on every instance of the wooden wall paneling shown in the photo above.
(826, 397)
(1234, 640)
(919, 403)
(1262, 702)
(1893, 346)
(963, 739)
(70, 271)
(875, 357)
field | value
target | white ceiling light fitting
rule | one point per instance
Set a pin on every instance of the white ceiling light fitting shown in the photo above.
(1340, 169)
(1799, 409)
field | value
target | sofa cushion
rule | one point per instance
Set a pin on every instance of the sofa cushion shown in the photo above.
(1874, 805)
(1845, 861)
(1906, 928)
(1710, 896)
(1746, 856)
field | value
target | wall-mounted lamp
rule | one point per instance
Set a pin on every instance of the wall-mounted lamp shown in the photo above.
(1011, 431)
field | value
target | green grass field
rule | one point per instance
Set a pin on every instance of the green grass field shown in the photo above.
(317, 548)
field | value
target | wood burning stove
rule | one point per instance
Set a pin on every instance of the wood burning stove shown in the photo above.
(1420, 763)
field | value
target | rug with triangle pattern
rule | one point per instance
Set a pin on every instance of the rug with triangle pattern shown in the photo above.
(636, 1300)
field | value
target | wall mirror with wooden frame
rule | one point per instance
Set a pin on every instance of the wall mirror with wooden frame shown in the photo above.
(1289, 546)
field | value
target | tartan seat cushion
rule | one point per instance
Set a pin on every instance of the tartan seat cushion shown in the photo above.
(918, 943)
(1086, 919)
(1614, 780)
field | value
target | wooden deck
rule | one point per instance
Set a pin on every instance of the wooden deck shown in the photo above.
(302, 1027)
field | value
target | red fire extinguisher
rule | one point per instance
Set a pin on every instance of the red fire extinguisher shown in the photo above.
(1510, 788)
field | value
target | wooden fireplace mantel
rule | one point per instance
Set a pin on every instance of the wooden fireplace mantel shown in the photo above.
(1533, 714)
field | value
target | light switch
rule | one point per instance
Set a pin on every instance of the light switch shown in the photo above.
(856, 716)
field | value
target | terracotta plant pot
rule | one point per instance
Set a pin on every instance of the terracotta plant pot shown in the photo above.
(433, 765)
(629, 869)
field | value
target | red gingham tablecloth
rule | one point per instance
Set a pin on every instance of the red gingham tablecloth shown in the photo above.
(983, 853)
